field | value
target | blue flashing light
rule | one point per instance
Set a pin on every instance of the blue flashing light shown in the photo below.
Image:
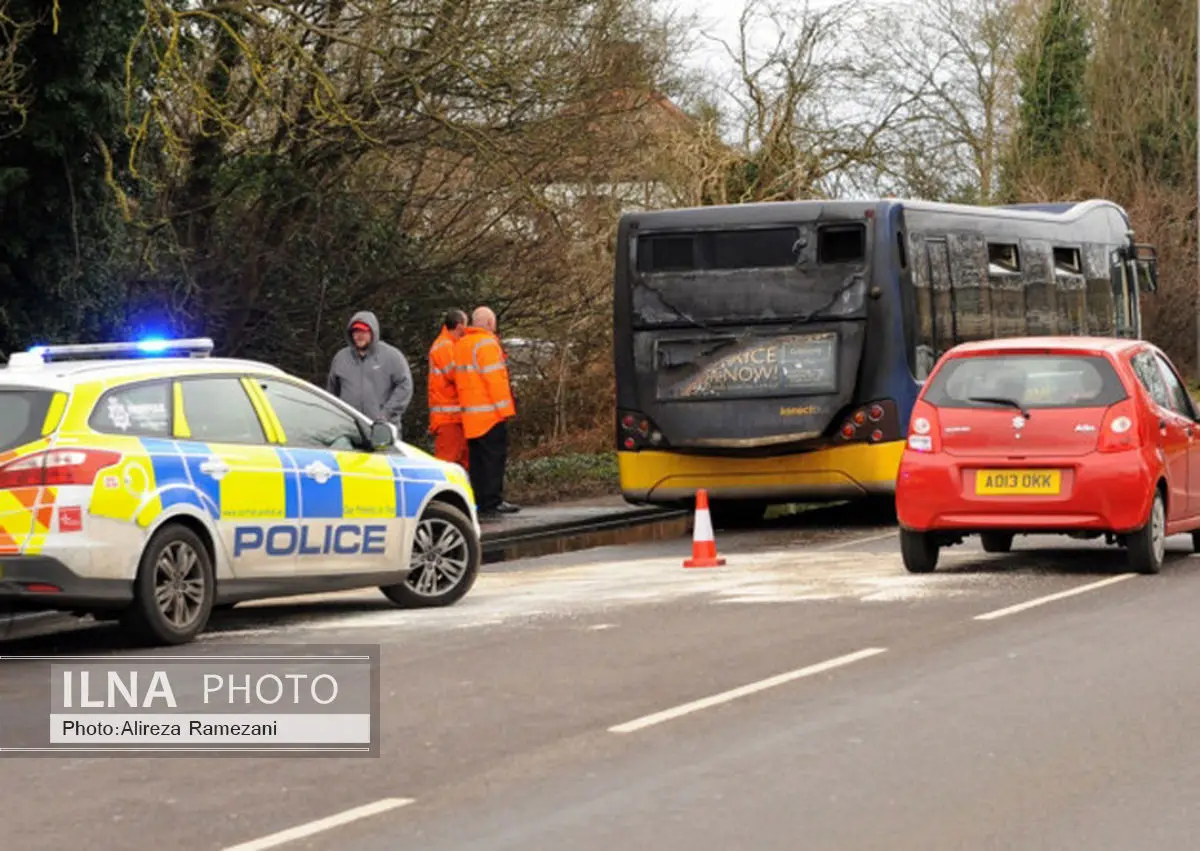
(150, 346)
(153, 345)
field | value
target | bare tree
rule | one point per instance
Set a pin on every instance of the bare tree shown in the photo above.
(447, 117)
(954, 60)
(799, 116)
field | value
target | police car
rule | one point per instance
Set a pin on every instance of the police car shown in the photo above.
(151, 482)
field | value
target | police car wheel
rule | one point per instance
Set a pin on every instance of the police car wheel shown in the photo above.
(445, 560)
(174, 589)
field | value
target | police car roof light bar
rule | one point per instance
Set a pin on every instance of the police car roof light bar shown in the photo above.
(196, 347)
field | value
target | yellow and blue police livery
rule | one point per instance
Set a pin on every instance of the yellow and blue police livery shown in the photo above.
(152, 482)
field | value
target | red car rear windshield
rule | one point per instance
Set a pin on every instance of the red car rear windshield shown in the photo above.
(1031, 381)
(22, 413)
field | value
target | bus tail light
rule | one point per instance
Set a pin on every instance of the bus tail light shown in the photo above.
(636, 431)
(874, 422)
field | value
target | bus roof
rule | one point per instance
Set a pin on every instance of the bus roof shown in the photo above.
(762, 212)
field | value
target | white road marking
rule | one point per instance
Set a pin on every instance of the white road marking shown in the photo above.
(733, 694)
(1050, 598)
(320, 825)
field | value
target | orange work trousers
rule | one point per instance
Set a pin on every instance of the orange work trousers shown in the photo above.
(450, 444)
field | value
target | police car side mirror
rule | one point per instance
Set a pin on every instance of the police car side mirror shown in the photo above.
(383, 435)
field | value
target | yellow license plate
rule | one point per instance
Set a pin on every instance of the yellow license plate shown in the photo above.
(1018, 482)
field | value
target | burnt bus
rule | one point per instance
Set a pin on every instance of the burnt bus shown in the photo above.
(772, 352)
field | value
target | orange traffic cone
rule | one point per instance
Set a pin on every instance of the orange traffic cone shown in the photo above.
(704, 545)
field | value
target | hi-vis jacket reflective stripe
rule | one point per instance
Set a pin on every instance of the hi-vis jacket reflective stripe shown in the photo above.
(481, 373)
(444, 408)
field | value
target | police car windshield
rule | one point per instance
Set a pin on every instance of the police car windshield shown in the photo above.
(1030, 381)
(22, 413)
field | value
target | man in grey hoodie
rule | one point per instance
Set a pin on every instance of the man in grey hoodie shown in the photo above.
(369, 374)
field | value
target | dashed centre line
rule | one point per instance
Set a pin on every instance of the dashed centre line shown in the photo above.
(311, 828)
(742, 691)
(1050, 598)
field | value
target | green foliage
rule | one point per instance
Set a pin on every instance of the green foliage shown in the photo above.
(546, 480)
(1053, 71)
(1145, 82)
(61, 246)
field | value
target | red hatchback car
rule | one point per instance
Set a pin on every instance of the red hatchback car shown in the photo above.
(1081, 436)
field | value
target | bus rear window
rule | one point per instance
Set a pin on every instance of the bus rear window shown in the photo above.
(22, 414)
(1032, 381)
(758, 248)
(841, 244)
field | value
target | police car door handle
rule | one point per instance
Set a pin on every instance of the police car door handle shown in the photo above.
(214, 467)
(317, 470)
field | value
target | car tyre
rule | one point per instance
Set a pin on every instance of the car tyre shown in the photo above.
(1196, 541)
(446, 554)
(174, 590)
(919, 551)
(996, 542)
(1147, 546)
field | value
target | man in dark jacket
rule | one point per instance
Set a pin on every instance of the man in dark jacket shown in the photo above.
(369, 374)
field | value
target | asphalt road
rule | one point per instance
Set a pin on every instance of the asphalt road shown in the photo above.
(808, 695)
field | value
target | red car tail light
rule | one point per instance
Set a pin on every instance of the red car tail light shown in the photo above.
(1119, 432)
(56, 467)
(924, 431)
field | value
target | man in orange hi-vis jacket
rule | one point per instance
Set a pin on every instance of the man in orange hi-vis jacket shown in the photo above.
(481, 374)
(445, 411)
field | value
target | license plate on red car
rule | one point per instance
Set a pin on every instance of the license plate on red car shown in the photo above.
(1018, 482)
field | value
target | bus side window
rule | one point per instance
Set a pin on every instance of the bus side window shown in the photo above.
(972, 289)
(925, 346)
(1071, 295)
(944, 331)
(1119, 278)
(908, 302)
(1101, 307)
(1008, 288)
(1041, 292)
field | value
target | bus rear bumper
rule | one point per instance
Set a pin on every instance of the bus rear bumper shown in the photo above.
(842, 472)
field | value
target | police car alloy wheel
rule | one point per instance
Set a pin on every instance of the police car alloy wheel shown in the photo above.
(174, 589)
(444, 563)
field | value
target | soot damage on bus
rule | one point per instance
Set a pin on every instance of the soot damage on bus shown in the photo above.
(748, 338)
(773, 352)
